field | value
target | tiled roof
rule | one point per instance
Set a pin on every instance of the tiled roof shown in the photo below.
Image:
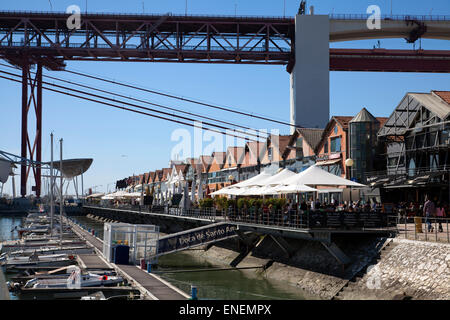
(206, 162)
(181, 167)
(444, 95)
(158, 174)
(219, 157)
(166, 172)
(382, 120)
(257, 150)
(238, 154)
(311, 135)
(283, 142)
(343, 121)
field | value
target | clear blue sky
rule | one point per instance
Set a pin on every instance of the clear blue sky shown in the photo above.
(124, 143)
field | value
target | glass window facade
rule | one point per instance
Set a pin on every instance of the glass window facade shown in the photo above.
(363, 148)
(299, 149)
(335, 144)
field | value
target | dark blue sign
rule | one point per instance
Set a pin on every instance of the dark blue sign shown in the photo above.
(195, 237)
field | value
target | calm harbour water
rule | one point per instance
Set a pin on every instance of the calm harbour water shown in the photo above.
(222, 285)
(7, 224)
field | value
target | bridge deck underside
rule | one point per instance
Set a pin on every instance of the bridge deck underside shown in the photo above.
(202, 39)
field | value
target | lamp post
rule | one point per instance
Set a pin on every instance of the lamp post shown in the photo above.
(231, 178)
(349, 163)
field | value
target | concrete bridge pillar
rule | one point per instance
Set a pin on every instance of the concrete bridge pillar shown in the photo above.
(310, 76)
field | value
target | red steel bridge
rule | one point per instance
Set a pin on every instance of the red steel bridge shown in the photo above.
(44, 40)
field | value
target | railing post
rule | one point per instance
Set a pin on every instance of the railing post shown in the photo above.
(406, 227)
(448, 239)
(435, 229)
(415, 229)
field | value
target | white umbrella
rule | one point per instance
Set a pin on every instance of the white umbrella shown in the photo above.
(256, 180)
(276, 179)
(318, 177)
(221, 191)
(250, 191)
(293, 188)
(132, 195)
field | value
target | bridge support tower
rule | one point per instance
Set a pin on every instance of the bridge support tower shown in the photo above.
(32, 146)
(310, 75)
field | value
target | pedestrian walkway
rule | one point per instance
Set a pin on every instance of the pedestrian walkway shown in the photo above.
(149, 284)
(409, 231)
(4, 293)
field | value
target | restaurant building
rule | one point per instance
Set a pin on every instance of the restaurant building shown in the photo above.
(417, 139)
(332, 150)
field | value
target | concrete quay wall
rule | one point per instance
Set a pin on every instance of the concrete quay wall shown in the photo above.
(414, 269)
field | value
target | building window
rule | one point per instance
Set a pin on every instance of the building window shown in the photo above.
(335, 130)
(270, 153)
(299, 149)
(335, 144)
(325, 147)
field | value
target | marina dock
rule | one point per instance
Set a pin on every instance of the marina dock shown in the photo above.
(150, 285)
(4, 293)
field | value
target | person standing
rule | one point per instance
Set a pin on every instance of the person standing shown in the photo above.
(429, 210)
(440, 213)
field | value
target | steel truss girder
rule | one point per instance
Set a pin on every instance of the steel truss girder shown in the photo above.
(123, 37)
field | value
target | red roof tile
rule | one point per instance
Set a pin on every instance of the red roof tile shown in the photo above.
(444, 95)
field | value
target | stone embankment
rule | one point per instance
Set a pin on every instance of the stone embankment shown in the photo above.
(411, 269)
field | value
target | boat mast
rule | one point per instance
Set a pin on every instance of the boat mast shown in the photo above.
(61, 203)
(52, 204)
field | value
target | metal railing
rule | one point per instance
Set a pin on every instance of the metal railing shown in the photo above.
(295, 219)
(396, 17)
(434, 229)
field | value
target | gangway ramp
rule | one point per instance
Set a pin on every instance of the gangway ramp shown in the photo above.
(195, 237)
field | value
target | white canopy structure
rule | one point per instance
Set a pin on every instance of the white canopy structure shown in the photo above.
(241, 187)
(266, 186)
(95, 195)
(5, 170)
(286, 181)
(253, 181)
(276, 179)
(131, 195)
(314, 176)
